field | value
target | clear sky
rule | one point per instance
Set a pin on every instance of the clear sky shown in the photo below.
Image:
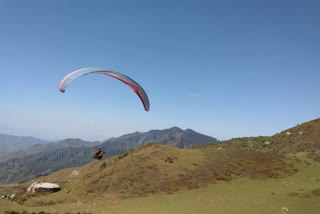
(222, 68)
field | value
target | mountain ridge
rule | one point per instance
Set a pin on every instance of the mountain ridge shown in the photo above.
(68, 153)
(10, 143)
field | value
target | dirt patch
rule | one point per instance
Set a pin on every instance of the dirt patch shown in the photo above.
(316, 192)
(169, 159)
(75, 173)
(293, 194)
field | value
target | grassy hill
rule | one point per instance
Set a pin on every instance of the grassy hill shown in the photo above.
(301, 138)
(297, 193)
(244, 175)
(157, 169)
(45, 159)
(162, 179)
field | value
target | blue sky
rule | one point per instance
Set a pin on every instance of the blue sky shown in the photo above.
(223, 68)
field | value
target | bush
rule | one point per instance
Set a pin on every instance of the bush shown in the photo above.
(123, 155)
(103, 165)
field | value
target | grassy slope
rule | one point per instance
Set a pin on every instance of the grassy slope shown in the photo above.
(239, 196)
(301, 138)
(155, 169)
(286, 172)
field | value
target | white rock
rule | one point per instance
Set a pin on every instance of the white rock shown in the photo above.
(43, 187)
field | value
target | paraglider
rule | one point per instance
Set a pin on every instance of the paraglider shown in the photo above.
(98, 154)
(68, 79)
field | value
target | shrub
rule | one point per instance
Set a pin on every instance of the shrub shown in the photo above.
(103, 165)
(123, 155)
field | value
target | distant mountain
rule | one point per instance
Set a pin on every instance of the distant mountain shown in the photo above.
(41, 148)
(10, 143)
(45, 163)
(173, 137)
(45, 159)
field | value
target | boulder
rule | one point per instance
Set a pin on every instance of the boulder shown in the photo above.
(43, 187)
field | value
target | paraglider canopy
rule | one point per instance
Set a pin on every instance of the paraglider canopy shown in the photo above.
(69, 78)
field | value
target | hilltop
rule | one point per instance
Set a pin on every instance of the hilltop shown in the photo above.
(173, 137)
(40, 160)
(304, 138)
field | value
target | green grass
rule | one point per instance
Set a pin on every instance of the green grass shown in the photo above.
(242, 195)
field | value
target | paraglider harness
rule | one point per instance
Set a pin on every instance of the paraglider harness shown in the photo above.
(98, 154)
